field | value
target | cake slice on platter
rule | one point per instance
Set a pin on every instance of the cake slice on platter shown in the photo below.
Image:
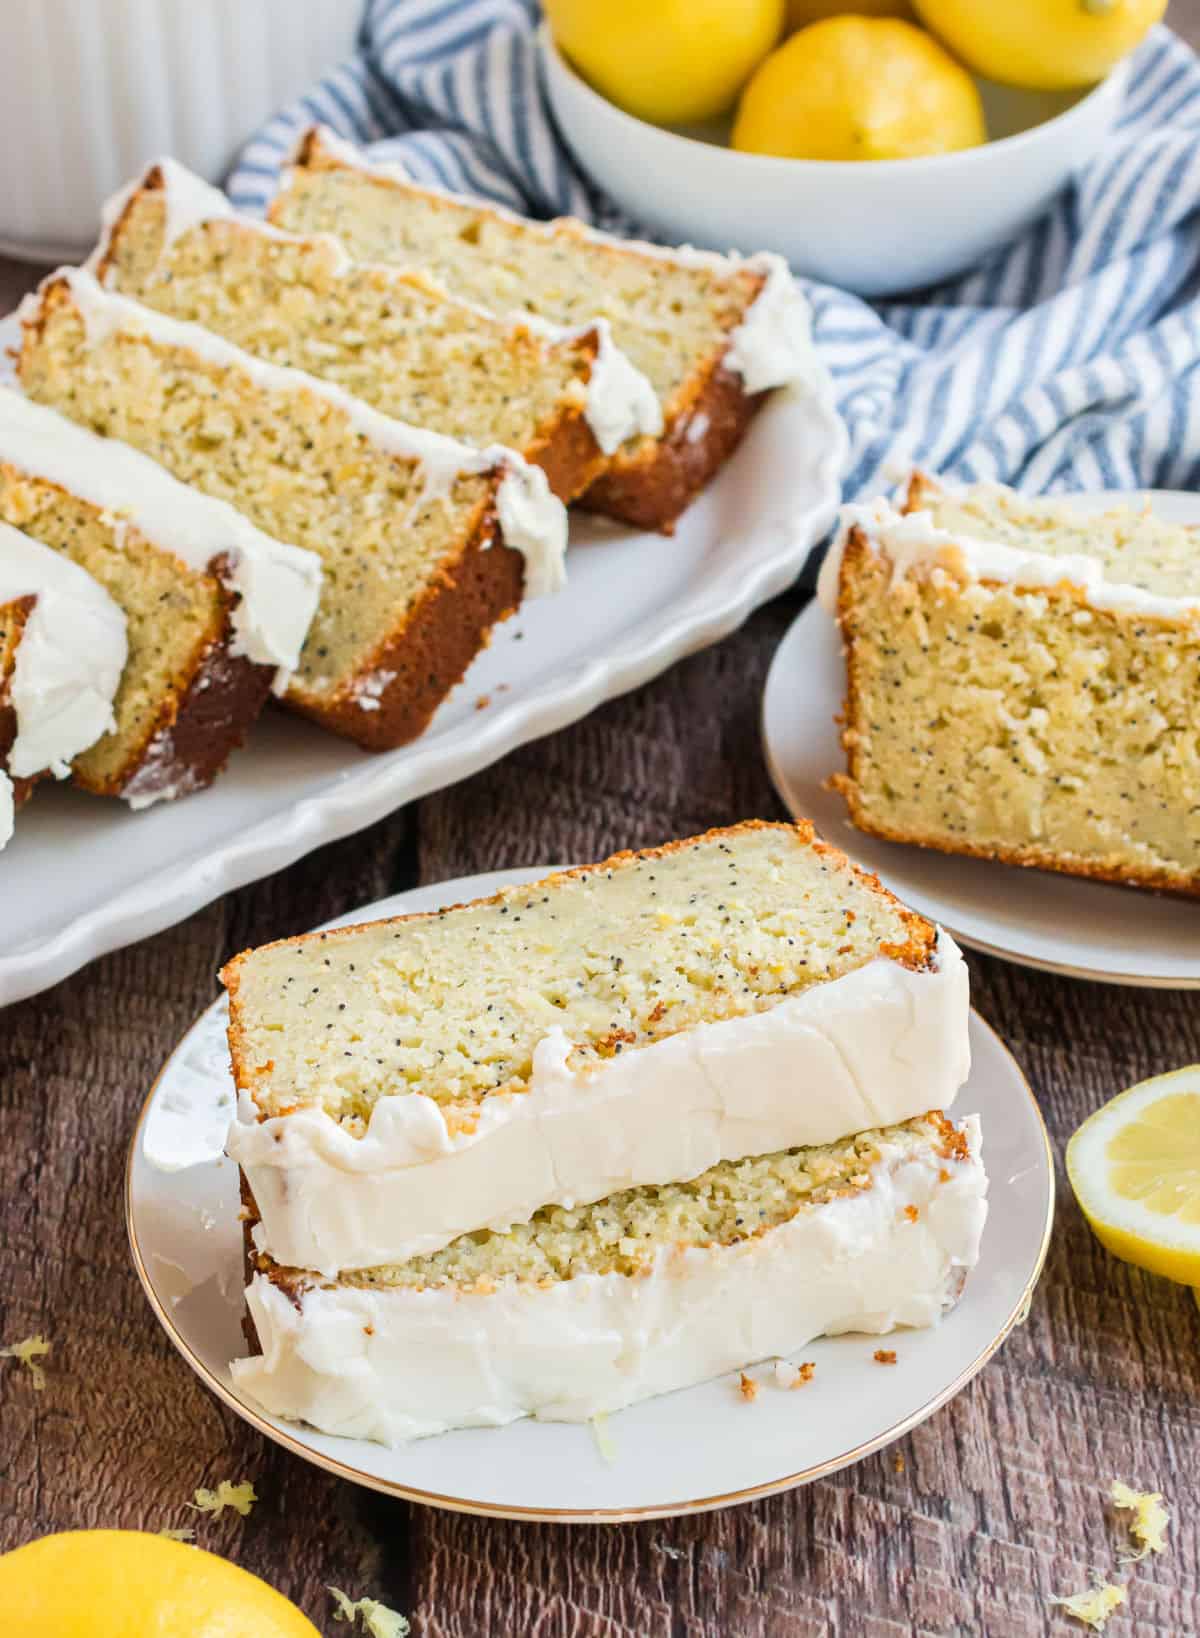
(63, 650)
(1022, 680)
(583, 1311)
(425, 543)
(216, 611)
(635, 1022)
(566, 400)
(713, 334)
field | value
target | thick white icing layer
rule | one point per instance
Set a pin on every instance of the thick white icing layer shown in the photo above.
(69, 660)
(7, 810)
(914, 542)
(538, 519)
(620, 402)
(876, 1046)
(400, 1364)
(278, 585)
(772, 347)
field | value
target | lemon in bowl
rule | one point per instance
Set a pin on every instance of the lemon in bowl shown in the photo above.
(1047, 45)
(859, 88)
(672, 62)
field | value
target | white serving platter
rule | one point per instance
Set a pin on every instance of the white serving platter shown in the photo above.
(699, 1449)
(82, 876)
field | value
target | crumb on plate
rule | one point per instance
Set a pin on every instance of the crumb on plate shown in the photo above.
(748, 1388)
(885, 1356)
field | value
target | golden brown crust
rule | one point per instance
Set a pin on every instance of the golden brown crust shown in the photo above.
(428, 655)
(917, 953)
(653, 485)
(858, 559)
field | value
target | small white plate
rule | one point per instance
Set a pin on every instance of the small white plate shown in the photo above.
(684, 1453)
(1062, 924)
(82, 877)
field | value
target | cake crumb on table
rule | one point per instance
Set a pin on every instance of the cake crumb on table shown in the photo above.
(884, 1356)
(748, 1388)
(898, 1463)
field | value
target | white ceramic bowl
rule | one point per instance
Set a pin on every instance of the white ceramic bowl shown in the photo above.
(874, 228)
(92, 90)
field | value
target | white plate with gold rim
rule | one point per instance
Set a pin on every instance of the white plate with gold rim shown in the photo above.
(1060, 924)
(82, 877)
(701, 1448)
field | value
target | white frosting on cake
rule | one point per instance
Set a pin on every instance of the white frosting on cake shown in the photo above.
(620, 402)
(914, 543)
(278, 585)
(537, 520)
(396, 1364)
(772, 347)
(876, 1046)
(69, 659)
(7, 813)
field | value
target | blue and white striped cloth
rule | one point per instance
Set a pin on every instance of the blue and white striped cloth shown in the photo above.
(1071, 359)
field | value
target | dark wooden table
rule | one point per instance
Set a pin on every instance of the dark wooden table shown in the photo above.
(1000, 1498)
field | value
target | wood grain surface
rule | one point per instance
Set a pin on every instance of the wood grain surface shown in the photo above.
(999, 1501)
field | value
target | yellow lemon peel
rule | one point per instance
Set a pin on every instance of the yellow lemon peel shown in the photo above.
(240, 1497)
(27, 1352)
(1095, 1606)
(1150, 1518)
(377, 1619)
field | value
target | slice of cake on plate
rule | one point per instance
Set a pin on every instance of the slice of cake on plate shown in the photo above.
(425, 543)
(635, 1022)
(63, 649)
(565, 400)
(216, 611)
(584, 1310)
(1023, 679)
(713, 334)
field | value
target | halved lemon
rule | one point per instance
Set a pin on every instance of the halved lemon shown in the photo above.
(1135, 1168)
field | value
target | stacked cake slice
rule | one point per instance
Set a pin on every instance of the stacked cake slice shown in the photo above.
(712, 334)
(597, 1138)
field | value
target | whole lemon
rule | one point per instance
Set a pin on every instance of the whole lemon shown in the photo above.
(859, 88)
(127, 1584)
(803, 12)
(1044, 45)
(671, 62)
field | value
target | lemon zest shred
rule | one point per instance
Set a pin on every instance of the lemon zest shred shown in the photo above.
(27, 1352)
(1149, 1522)
(178, 1534)
(377, 1619)
(605, 1443)
(1095, 1606)
(240, 1497)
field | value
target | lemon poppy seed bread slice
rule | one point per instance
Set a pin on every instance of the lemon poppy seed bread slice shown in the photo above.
(424, 542)
(215, 611)
(711, 333)
(566, 402)
(584, 1310)
(633, 1022)
(1023, 679)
